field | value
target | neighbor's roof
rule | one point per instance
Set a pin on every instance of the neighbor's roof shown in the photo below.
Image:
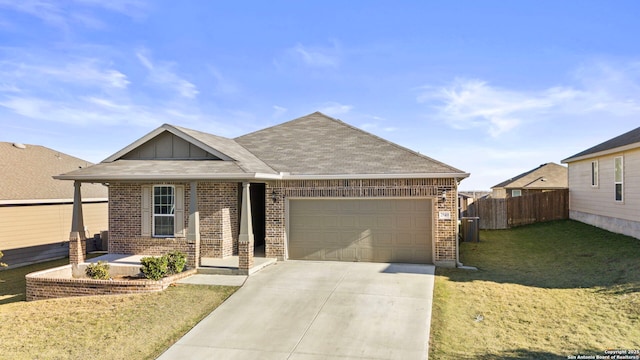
(545, 176)
(27, 175)
(313, 146)
(628, 140)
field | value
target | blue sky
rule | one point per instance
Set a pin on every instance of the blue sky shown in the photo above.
(494, 88)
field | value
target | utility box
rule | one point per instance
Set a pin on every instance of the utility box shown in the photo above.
(471, 229)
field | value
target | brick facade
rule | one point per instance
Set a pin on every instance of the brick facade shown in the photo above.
(219, 210)
(218, 207)
(49, 284)
(445, 231)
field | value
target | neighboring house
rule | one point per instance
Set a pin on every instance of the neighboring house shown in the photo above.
(35, 209)
(466, 198)
(546, 177)
(312, 188)
(603, 184)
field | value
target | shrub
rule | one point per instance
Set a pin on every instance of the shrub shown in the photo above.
(99, 270)
(176, 261)
(1, 263)
(154, 268)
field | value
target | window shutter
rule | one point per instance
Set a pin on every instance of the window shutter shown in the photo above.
(179, 211)
(146, 210)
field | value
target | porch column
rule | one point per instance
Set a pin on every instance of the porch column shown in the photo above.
(77, 237)
(193, 229)
(245, 240)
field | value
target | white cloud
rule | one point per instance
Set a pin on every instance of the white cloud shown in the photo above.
(473, 103)
(162, 74)
(65, 15)
(278, 111)
(314, 57)
(335, 109)
(317, 56)
(223, 85)
(79, 72)
(600, 89)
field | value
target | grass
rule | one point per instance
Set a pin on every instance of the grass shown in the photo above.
(98, 327)
(542, 291)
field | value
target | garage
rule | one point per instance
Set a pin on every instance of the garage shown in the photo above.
(373, 230)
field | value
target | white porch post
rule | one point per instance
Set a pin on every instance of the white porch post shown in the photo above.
(77, 237)
(245, 239)
(193, 230)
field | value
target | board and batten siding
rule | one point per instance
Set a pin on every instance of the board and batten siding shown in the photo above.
(596, 205)
(35, 225)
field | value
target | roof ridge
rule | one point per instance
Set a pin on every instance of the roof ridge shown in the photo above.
(398, 146)
(520, 176)
(283, 123)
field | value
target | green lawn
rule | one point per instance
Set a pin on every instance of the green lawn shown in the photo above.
(98, 327)
(542, 291)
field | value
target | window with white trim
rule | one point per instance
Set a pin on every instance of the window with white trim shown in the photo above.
(516, 193)
(163, 210)
(618, 169)
(594, 173)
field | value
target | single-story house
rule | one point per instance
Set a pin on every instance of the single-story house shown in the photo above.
(603, 186)
(35, 209)
(546, 177)
(312, 188)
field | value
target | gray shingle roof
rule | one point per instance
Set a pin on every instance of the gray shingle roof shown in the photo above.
(245, 160)
(554, 175)
(317, 144)
(628, 138)
(160, 169)
(313, 145)
(27, 174)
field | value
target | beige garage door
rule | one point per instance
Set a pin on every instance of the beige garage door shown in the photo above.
(377, 230)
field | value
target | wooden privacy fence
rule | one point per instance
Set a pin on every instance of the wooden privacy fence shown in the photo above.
(521, 210)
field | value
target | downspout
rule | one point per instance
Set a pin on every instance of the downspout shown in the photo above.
(458, 263)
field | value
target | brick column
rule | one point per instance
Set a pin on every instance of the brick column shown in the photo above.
(245, 240)
(77, 237)
(193, 230)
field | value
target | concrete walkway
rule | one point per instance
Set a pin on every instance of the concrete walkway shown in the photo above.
(319, 310)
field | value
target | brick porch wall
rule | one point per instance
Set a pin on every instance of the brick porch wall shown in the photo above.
(41, 287)
(444, 230)
(218, 206)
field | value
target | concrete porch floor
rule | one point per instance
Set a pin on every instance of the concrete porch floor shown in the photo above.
(223, 266)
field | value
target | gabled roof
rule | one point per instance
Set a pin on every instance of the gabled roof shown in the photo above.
(628, 140)
(27, 175)
(317, 144)
(313, 146)
(545, 176)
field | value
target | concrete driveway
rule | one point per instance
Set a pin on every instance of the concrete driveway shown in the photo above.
(319, 310)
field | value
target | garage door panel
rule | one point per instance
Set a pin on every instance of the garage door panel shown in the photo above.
(383, 238)
(405, 222)
(403, 238)
(384, 255)
(348, 221)
(384, 221)
(381, 230)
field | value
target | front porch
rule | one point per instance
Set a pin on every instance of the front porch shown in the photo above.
(227, 219)
(126, 264)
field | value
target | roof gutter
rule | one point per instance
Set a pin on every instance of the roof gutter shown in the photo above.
(167, 177)
(50, 201)
(255, 176)
(601, 153)
(288, 176)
